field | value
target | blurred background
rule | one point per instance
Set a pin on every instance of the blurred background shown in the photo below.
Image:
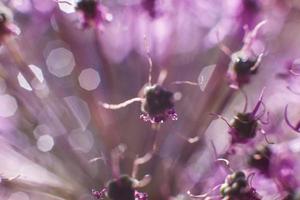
(57, 140)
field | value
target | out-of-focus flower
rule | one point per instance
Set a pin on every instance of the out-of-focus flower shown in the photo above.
(156, 104)
(150, 7)
(244, 63)
(121, 189)
(261, 159)
(245, 124)
(7, 28)
(91, 12)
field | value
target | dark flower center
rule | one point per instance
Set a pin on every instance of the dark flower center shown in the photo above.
(236, 187)
(121, 189)
(244, 66)
(157, 100)
(251, 5)
(88, 7)
(260, 159)
(149, 5)
(3, 19)
(245, 125)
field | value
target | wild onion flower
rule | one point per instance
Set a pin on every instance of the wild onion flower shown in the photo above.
(157, 103)
(245, 124)
(59, 140)
(244, 62)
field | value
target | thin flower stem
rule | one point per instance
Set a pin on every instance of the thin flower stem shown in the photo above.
(120, 105)
(222, 118)
(201, 196)
(259, 102)
(246, 100)
(147, 49)
(185, 83)
(140, 161)
(295, 128)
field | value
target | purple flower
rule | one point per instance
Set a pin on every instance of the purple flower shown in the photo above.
(59, 140)
(294, 195)
(244, 62)
(245, 124)
(158, 105)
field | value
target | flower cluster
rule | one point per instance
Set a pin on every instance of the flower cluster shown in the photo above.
(59, 139)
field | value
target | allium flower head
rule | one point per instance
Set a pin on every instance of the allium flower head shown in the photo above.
(156, 104)
(58, 140)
